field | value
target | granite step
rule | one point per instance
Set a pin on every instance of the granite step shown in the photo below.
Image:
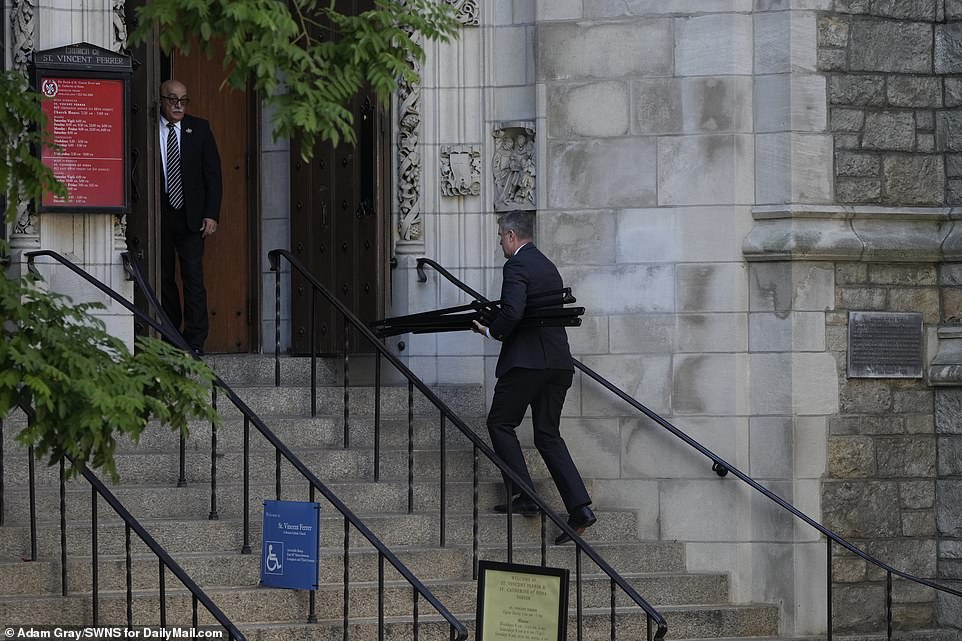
(222, 569)
(163, 466)
(194, 499)
(227, 534)
(245, 606)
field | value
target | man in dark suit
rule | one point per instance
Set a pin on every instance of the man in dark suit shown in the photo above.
(190, 209)
(534, 368)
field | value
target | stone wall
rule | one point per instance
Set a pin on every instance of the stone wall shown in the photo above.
(883, 62)
(880, 487)
(948, 497)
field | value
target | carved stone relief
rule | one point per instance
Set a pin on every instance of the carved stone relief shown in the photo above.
(460, 170)
(466, 11)
(409, 159)
(23, 24)
(514, 167)
(119, 22)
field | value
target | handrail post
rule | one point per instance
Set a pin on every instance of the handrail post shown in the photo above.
(277, 324)
(347, 383)
(162, 587)
(63, 529)
(313, 342)
(312, 596)
(474, 515)
(95, 594)
(578, 588)
(888, 606)
(347, 575)
(129, 577)
(828, 590)
(410, 447)
(444, 480)
(213, 516)
(510, 516)
(2, 507)
(377, 417)
(33, 503)
(246, 547)
(182, 479)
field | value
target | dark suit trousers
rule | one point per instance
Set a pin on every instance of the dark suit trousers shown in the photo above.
(544, 390)
(188, 245)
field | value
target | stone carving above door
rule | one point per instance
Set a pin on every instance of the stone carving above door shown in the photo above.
(467, 12)
(514, 167)
(460, 170)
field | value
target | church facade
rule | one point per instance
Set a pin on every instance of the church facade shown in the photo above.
(737, 191)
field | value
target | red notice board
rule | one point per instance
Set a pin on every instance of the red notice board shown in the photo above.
(85, 117)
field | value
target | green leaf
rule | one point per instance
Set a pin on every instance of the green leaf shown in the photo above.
(319, 56)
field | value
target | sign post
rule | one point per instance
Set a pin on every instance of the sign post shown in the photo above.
(289, 545)
(85, 96)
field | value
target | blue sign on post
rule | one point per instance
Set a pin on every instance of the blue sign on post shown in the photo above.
(290, 543)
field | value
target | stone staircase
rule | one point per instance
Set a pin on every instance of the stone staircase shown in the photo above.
(697, 606)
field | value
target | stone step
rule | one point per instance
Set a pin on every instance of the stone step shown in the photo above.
(194, 499)
(192, 535)
(252, 369)
(247, 606)
(163, 466)
(233, 568)
(320, 431)
(457, 593)
(294, 431)
(270, 401)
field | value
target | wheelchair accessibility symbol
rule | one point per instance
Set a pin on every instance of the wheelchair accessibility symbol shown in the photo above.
(274, 557)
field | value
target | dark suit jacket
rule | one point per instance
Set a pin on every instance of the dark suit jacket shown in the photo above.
(200, 171)
(528, 273)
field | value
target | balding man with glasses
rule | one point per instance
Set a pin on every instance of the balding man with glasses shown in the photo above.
(190, 209)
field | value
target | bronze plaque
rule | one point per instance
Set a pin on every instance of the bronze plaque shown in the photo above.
(885, 345)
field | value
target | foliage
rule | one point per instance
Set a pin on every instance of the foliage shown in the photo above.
(307, 59)
(22, 175)
(81, 386)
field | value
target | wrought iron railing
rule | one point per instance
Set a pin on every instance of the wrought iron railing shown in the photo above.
(165, 564)
(722, 468)
(656, 625)
(162, 325)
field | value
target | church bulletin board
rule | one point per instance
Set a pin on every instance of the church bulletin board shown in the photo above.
(84, 95)
(521, 602)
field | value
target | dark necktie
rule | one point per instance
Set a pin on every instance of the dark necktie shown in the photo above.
(175, 190)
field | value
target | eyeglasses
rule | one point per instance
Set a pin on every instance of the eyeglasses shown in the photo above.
(173, 101)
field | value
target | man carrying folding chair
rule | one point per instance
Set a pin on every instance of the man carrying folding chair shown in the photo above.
(534, 369)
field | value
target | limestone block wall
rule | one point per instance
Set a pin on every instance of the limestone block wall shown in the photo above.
(665, 123)
(696, 165)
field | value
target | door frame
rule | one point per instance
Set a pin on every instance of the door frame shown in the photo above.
(252, 171)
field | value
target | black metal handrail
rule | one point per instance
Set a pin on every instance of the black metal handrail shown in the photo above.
(165, 562)
(722, 468)
(657, 627)
(458, 631)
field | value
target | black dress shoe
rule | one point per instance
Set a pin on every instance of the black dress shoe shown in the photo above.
(580, 520)
(519, 505)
